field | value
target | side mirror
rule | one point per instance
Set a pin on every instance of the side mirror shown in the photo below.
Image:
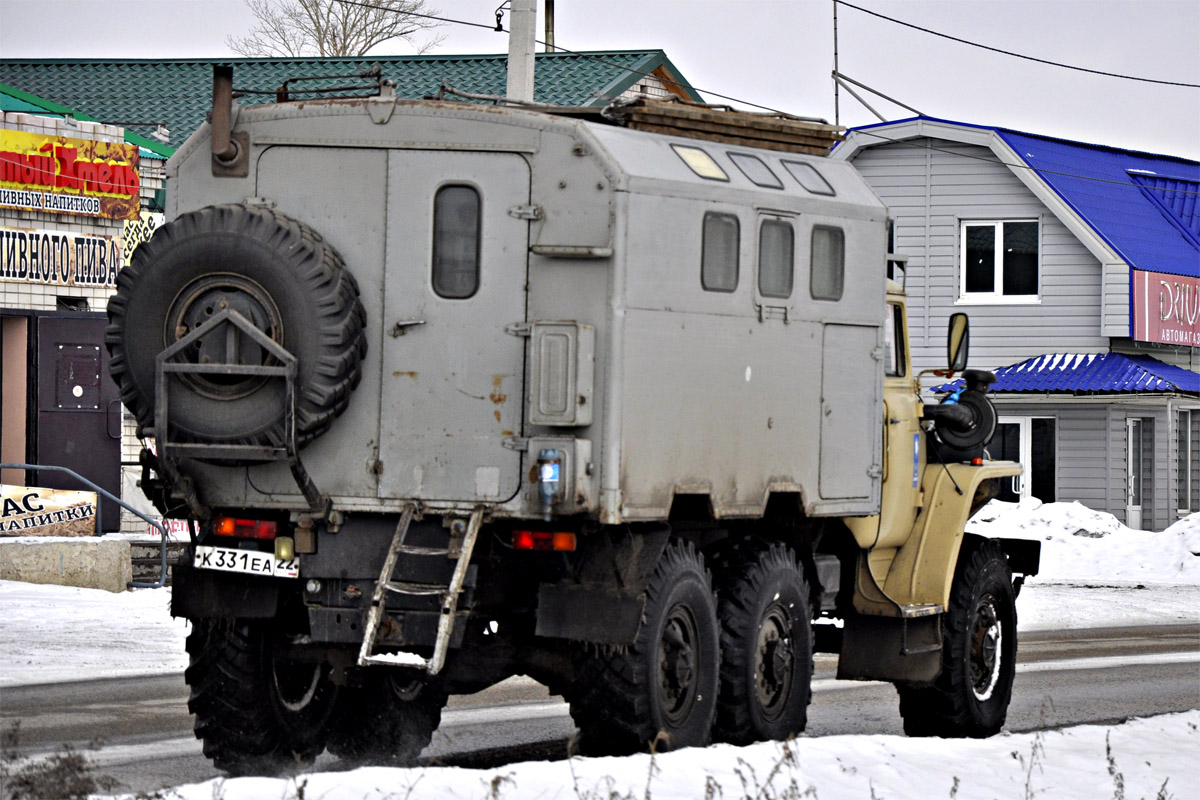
(958, 341)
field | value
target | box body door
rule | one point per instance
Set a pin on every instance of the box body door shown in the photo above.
(452, 374)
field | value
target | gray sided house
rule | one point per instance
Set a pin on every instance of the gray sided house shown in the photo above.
(1079, 265)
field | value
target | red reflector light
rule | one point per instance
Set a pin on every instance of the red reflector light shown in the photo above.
(977, 462)
(543, 540)
(245, 528)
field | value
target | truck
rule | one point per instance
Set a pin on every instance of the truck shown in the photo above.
(622, 401)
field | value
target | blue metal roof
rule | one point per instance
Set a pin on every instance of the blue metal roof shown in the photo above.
(1143, 206)
(1146, 207)
(1091, 372)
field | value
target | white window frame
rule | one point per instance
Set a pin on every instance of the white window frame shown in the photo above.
(1022, 485)
(1183, 441)
(997, 296)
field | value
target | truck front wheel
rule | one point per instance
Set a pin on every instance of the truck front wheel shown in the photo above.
(257, 711)
(766, 643)
(661, 691)
(389, 720)
(970, 697)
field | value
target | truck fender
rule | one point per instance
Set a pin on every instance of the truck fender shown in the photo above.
(923, 569)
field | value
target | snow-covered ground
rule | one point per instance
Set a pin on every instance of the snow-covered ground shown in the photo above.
(1136, 760)
(1095, 572)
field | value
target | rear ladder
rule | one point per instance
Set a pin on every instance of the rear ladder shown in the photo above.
(448, 594)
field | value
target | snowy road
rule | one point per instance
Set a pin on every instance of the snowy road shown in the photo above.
(1064, 678)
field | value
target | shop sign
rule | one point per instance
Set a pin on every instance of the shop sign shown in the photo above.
(139, 230)
(62, 175)
(59, 258)
(34, 511)
(1166, 308)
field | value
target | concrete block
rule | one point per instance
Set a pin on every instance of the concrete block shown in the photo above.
(87, 563)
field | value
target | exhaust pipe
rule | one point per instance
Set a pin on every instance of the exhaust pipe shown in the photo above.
(224, 149)
(229, 149)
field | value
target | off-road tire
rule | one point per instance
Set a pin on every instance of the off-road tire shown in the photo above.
(387, 721)
(659, 692)
(280, 273)
(970, 697)
(256, 712)
(766, 643)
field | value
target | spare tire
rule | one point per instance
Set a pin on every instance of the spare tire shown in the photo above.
(978, 427)
(278, 273)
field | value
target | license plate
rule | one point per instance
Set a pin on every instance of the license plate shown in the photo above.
(251, 562)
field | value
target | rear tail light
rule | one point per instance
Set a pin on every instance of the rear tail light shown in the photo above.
(245, 528)
(543, 540)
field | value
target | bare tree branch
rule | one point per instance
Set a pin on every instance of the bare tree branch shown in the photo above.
(292, 28)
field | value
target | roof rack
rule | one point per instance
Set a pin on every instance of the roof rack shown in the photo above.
(771, 131)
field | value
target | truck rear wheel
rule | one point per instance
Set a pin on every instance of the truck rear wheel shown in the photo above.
(277, 273)
(766, 643)
(257, 711)
(387, 721)
(661, 691)
(970, 697)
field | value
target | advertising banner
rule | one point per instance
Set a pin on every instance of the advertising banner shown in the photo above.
(139, 230)
(1166, 308)
(33, 511)
(62, 175)
(59, 258)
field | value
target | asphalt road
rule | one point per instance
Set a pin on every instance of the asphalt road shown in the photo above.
(1064, 678)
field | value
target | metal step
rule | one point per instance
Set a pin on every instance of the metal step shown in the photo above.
(414, 550)
(913, 610)
(415, 589)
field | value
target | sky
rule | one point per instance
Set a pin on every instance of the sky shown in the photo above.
(778, 53)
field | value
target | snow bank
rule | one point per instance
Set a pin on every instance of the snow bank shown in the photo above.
(50, 634)
(1135, 760)
(1079, 544)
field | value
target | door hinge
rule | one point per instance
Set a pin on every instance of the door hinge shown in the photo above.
(518, 329)
(527, 212)
(875, 471)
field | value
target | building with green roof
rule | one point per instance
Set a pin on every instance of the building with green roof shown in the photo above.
(142, 94)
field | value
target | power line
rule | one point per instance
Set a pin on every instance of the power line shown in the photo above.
(1015, 55)
(559, 48)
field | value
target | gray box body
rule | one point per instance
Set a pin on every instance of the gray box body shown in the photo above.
(590, 331)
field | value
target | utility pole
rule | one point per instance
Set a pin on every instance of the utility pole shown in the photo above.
(837, 116)
(520, 49)
(549, 26)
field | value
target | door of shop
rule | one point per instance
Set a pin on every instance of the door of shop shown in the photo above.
(78, 409)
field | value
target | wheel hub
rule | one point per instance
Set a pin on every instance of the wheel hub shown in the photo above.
(677, 665)
(775, 657)
(198, 303)
(986, 639)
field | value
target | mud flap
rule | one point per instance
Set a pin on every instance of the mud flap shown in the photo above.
(588, 613)
(891, 649)
(199, 594)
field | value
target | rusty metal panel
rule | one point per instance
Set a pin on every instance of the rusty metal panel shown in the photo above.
(78, 410)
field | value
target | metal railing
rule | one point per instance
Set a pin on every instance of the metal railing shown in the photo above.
(162, 575)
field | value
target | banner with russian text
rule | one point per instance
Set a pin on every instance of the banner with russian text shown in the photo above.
(63, 175)
(34, 511)
(59, 258)
(1166, 308)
